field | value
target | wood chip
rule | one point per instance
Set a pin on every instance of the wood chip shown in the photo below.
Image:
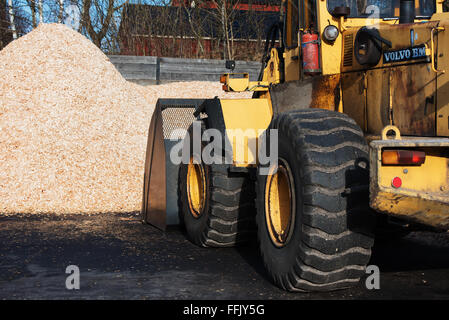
(73, 132)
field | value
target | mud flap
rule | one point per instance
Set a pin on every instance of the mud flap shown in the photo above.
(160, 187)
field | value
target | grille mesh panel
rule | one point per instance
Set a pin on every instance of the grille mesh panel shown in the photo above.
(348, 50)
(174, 118)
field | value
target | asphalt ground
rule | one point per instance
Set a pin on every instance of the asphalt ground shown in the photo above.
(121, 258)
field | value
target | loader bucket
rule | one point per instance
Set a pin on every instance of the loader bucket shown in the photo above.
(160, 187)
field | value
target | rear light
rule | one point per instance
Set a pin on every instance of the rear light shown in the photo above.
(403, 157)
(225, 88)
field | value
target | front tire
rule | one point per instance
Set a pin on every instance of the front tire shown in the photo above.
(318, 238)
(216, 206)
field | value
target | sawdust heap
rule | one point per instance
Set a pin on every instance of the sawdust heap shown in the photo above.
(72, 131)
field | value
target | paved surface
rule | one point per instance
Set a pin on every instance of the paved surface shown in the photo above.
(119, 258)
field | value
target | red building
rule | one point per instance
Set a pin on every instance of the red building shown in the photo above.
(196, 30)
(256, 5)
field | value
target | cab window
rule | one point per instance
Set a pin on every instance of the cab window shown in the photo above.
(381, 8)
(292, 23)
(300, 15)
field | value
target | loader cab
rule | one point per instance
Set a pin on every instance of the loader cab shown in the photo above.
(381, 9)
(299, 17)
(330, 20)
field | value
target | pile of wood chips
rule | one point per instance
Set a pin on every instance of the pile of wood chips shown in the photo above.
(73, 132)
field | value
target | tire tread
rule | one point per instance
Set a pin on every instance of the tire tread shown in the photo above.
(331, 256)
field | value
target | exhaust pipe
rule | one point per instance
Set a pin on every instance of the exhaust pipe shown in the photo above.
(407, 11)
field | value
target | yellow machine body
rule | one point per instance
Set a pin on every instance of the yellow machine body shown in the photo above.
(244, 125)
(423, 196)
(412, 95)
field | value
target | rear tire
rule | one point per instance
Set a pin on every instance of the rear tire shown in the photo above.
(227, 217)
(327, 243)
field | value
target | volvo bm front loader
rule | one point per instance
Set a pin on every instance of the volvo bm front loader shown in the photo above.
(352, 105)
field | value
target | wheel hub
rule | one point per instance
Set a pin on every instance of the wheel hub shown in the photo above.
(280, 204)
(196, 188)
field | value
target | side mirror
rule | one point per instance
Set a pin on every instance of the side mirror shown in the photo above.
(339, 12)
(230, 65)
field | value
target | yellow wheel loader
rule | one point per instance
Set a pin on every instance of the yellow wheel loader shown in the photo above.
(346, 131)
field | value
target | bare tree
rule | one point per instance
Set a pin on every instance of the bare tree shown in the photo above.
(41, 11)
(5, 36)
(33, 8)
(97, 26)
(233, 24)
(11, 19)
(193, 12)
(224, 14)
(61, 11)
(217, 29)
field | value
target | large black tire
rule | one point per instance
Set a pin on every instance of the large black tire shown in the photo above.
(228, 216)
(332, 231)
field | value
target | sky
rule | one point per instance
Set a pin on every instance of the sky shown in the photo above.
(71, 12)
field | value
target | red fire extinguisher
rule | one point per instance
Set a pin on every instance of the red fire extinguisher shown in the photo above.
(310, 53)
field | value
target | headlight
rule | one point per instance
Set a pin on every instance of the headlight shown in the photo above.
(331, 33)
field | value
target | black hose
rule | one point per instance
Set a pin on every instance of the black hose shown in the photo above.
(271, 39)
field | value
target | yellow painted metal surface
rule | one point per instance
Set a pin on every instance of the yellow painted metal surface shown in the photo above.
(292, 64)
(245, 120)
(413, 99)
(412, 95)
(196, 188)
(439, 6)
(440, 16)
(289, 27)
(435, 31)
(442, 117)
(429, 212)
(326, 92)
(279, 206)
(432, 176)
(334, 52)
(378, 100)
(424, 194)
(354, 97)
(272, 73)
(239, 82)
(399, 35)
(402, 95)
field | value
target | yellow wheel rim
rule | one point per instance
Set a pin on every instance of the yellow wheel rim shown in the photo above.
(280, 204)
(196, 188)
